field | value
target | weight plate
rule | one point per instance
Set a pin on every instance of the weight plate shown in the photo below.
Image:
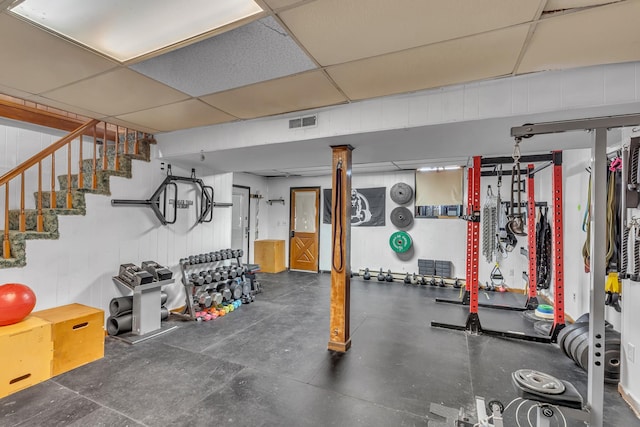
(583, 354)
(401, 217)
(400, 242)
(581, 329)
(401, 193)
(538, 381)
(564, 332)
(584, 337)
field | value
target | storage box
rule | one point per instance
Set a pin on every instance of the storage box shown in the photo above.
(26, 354)
(78, 335)
(269, 254)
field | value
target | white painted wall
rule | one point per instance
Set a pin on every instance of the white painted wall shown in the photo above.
(79, 266)
(442, 239)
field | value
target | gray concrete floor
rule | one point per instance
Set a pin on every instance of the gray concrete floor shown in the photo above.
(266, 364)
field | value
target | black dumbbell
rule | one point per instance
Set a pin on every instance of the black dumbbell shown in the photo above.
(197, 280)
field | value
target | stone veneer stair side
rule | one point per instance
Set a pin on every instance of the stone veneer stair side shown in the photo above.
(50, 216)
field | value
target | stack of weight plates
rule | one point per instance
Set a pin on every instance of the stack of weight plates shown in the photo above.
(574, 341)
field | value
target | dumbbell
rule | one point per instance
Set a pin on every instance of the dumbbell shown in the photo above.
(236, 290)
(246, 287)
(233, 273)
(203, 299)
(207, 257)
(229, 254)
(206, 276)
(197, 279)
(216, 297)
(215, 275)
(234, 253)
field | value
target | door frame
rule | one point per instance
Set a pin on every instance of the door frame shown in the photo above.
(291, 223)
(244, 187)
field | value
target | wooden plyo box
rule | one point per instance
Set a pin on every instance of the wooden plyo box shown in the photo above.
(269, 254)
(26, 354)
(78, 335)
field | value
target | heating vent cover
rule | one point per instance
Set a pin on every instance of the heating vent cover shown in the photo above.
(303, 122)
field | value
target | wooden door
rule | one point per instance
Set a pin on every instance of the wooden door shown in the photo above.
(304, 229)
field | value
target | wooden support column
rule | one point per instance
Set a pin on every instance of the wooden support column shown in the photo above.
(339, 334)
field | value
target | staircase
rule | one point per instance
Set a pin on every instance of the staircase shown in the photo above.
(113, 149)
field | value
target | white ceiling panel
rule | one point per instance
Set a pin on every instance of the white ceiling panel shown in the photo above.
(300, 92)
(472, 58)
(34, 61)
(602, 35)
(337, 31)
(117, 92)
(181, 115)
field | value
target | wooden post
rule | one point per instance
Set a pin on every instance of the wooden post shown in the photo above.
(339, 334)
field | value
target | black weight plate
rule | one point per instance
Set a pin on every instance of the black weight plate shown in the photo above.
(581, 328)
(612, 358)
(583, 354)
(401, 193)
(584, 337)
(401, 217)
(583, 319)
(563, 334)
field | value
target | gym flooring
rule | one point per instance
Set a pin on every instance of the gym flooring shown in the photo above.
(266, 364)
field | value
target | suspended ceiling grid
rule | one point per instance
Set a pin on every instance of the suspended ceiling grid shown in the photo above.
(301, 55)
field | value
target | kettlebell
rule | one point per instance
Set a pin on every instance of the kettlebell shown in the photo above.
(441, 283)
(381, 276)
(414, 279)
(407, 279)
(389, 277)
(432, 281)
(367, 274)
(457, 284)
(422, 280)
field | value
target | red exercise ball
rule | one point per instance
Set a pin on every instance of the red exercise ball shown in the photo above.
(16, 302)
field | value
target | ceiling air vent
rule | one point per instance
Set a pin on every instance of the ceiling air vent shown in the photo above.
(303, 122)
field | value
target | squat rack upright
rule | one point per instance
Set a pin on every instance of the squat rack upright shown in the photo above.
(473, 324)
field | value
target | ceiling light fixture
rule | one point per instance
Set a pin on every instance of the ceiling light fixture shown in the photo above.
(125, 29)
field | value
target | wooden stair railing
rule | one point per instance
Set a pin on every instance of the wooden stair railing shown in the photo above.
(94, 128)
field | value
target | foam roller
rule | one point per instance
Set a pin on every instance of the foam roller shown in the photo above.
(120, 306)
(119, 325)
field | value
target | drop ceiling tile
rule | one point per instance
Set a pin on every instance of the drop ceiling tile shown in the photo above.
(65, 107)
(259, 51)
(34, 61)
(129, 125)
(117, 92)
(602, 35)
(181, 115)
(571, 4)
(472, 58)
(337, 31)
(277, 4)
(300, 92)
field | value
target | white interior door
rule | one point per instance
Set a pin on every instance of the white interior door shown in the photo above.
(240, 221)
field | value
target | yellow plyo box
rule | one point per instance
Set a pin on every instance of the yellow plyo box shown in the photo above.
(78, 335)
(26, 354)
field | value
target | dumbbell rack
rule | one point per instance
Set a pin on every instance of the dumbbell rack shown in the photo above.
(146, 310)
(193, 265)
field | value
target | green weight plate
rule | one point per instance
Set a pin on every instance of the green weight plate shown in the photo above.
(400, 241)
